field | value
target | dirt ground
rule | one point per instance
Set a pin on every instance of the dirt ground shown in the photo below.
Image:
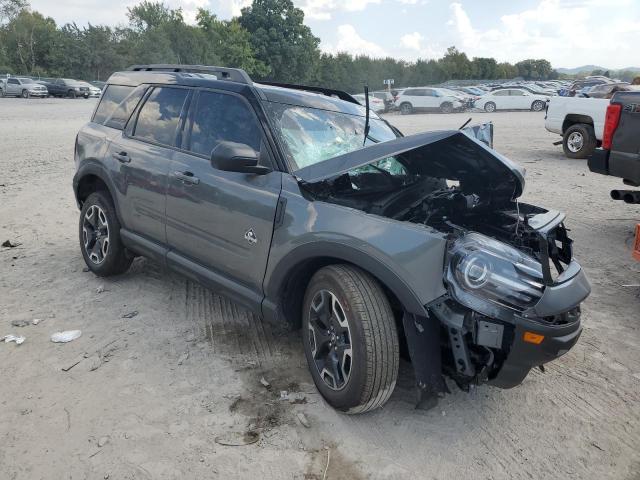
(146, 397)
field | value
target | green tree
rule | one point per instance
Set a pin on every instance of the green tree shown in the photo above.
(229, 44)
(281, 40)
(28, 38)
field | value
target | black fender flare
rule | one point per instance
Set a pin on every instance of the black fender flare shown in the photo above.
(96, 169)
(277, 280)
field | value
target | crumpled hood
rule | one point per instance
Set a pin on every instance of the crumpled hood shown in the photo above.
(450, 154)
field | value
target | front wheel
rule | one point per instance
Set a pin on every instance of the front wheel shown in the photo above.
(350, 339)
(446, 107)
(489, 107)
(406, 108)
(100, 242)
(579, 141)
(71, 94)
(25, 94)
(537, 106)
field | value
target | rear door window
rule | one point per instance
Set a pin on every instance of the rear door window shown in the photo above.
(221, 117)
(159, 117)
(111, 98)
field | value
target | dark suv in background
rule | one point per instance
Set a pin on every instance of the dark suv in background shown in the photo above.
(299, 204)
(66, 87)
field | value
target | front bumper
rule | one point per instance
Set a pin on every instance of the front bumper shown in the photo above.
(523, 355)
(488, 347)
(555, 319)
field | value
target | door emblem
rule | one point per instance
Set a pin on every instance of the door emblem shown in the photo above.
(250, 237)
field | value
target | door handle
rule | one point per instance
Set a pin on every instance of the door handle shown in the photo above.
(187, 177)
(122, 157)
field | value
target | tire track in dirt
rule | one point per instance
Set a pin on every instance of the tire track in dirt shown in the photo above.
(231, 329)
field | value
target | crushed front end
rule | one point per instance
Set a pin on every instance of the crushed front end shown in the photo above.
(513, 299)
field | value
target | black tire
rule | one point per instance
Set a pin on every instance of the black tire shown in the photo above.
(537, 106)
(489, 107)
(115, 259)
(372, 333)
(579, 141)
(406, 108)
(25, 94)
(71, 94)
(1, 93)
(446, 107)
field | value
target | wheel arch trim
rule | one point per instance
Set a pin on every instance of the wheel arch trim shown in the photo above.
(315, 255)
(92, 168)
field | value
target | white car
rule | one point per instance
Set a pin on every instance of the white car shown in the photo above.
(375, 104)
(93, 90)
(511, 99)
(428, 98)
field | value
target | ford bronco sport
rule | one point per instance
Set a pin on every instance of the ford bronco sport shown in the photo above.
(305, 207)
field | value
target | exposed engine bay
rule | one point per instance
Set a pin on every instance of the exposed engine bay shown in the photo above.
(441, 204)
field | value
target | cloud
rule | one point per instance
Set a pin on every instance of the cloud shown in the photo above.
(324, 9)
(566, 32)
(350, 41)
(412, 41)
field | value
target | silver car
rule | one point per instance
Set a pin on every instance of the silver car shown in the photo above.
(22, 87)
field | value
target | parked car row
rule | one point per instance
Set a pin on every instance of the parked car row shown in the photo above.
(516, 95)
(27, 87)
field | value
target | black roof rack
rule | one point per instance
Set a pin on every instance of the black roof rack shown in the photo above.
(325, 91)
(224, 73)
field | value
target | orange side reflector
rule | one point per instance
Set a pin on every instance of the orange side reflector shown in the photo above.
(636, 244)
(534, 338)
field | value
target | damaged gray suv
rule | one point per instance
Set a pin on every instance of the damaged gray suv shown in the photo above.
(299, 204)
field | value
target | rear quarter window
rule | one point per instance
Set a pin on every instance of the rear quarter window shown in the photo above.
(111, 98)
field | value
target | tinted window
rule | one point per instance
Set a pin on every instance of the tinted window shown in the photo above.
(13, 81)
(430, 93)
(111, 98)
(501, 93)
(160, 115)
(220, 117)
(516, 93)
(123, 111)
(413, 93)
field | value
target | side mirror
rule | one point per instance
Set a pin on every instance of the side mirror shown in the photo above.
(236, 157)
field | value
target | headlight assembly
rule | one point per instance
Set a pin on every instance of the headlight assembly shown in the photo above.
(483, 270)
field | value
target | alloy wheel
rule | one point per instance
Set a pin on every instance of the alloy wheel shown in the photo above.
(330, 340)
(575, 142)
(95, 234)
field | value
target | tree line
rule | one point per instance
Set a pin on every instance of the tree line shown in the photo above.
(269, 40)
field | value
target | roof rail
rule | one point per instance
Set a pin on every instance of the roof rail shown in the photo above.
(230, 74)
(325, 91)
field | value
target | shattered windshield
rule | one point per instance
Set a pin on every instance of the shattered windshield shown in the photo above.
(311, 135)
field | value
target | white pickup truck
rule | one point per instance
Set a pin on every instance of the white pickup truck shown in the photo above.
(580, 121)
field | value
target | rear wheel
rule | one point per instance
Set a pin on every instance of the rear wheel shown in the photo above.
(100, 242)
(489, 107)
(579, 141)
(350, 339)
(537, 106)
(406, 108)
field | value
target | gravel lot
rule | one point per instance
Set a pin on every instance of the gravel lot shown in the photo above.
(151, 393)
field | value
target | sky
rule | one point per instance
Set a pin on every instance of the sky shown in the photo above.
(568, 33)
